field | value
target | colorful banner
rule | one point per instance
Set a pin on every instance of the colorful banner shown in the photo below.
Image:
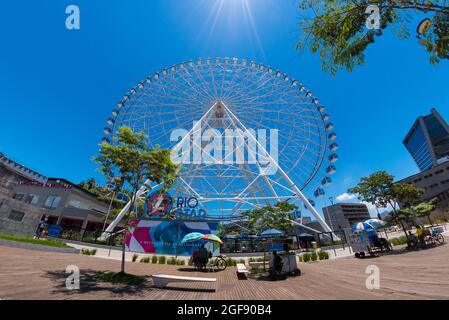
(164, 237)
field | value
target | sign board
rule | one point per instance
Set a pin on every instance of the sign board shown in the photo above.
(54, 231)
(164, 237)
(161, 206)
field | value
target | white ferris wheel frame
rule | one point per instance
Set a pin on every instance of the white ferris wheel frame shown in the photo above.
(254, 180)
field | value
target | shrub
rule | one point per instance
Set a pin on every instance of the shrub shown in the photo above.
(145, 260)
(162, 260)
(251, 260)
(300, 258)
(171, 261)
(135, 256)
(242, 261)
(154, 259)
(89, 252)
(262, 259)
(231, 262)
(314, 256)
(306, 257)
(398, 241)
(323, 255)
(180, 262)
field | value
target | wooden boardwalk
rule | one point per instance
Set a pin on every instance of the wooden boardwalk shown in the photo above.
(422, 274)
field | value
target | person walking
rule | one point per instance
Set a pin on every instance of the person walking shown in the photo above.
(41, 227)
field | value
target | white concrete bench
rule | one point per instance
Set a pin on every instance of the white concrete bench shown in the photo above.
(161, 280)
(241, 268)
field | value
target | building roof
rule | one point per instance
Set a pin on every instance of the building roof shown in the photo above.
(65, 181)
(21, 170)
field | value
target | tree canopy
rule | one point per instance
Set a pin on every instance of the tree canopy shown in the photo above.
(270, 217)
(337, 30)
(134, 162)
(379, 189)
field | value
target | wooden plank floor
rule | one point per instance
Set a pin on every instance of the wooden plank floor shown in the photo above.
(422, 274)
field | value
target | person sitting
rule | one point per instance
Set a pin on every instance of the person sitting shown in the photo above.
(420, 234)
(276, 264)
(195, 258)
(203, 256)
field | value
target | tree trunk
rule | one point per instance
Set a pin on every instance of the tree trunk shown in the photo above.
(399, 221)
(428, 217)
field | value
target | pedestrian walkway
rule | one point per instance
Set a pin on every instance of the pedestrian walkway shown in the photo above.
(422, 274)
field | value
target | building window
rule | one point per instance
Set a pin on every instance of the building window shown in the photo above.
(16, 216)
(52, 202)
(32, 199)
(78, 204)
(19, 196)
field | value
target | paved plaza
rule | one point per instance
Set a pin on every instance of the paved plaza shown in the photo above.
(422, 274)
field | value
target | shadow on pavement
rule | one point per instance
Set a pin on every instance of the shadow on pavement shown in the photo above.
(89, 283)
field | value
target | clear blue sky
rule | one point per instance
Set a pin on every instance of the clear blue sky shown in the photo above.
(57, 87)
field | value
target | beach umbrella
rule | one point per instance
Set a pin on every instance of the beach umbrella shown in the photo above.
(271, 232)
(375, 223)
(212, 238)
(306, 235)
(361, 226)
(191, 237)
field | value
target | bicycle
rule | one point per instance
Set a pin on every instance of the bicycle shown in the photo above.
(435, 237)
(219, 262)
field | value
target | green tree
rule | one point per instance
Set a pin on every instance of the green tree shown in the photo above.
(134, 162)
(379, 189)
(90, 185)
(424, 209)
(337, 30)
(405, 215)
(270, 217)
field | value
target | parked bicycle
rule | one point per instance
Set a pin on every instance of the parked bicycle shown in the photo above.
(218, 262)
(434, 236)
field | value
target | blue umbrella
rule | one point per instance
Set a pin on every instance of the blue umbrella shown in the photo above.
(376, 223)
(361, 226)
(368, 225)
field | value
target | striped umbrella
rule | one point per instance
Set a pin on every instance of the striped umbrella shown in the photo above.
(191, 237)
(212, 238)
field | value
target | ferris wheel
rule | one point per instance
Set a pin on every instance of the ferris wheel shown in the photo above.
(246, 134)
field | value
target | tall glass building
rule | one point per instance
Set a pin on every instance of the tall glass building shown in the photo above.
(428, 141)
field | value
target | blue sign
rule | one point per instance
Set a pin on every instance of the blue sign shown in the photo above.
(54, 231)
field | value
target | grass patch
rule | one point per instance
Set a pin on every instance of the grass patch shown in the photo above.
(121, 278)
(29, 240)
